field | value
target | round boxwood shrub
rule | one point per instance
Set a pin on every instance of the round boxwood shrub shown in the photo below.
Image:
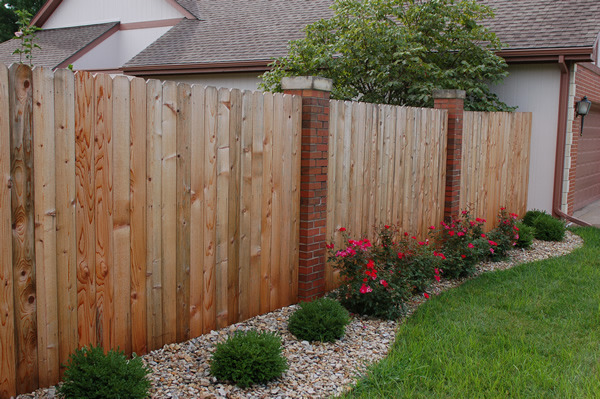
(526, 235)
(531, 216)
(548, 228)
(92, 374)
(322, 320)
(248, 358)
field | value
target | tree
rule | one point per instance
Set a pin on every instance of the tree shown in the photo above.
(8, 16)
(398, 51)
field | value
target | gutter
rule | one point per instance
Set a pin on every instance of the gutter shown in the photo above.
(561, 136)
(215, 67)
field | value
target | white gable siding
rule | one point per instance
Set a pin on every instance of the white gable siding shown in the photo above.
(88, 12)
(536, 88)
(243, 81)
(119, 48)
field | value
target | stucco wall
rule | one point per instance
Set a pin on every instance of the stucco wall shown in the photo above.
(536, 88)
(88, 12)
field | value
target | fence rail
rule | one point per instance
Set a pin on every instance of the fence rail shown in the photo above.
(135, 214)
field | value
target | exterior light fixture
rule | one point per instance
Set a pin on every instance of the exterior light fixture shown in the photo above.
(582, 107)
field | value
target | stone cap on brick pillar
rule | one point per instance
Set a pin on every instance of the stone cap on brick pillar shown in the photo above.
(306, 83)
(447, 93)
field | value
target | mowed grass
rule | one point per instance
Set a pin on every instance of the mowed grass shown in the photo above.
(529, 332)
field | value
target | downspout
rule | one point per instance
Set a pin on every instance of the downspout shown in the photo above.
(559, 169)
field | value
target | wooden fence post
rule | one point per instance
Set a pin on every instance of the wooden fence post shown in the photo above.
(453, 102)
(315, 94)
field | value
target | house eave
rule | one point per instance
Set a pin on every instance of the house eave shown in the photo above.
(186, 69)
(45, 12)
(574, 54)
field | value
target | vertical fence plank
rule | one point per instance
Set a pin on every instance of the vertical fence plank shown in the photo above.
(84, 208)
(258, 135)
(209, 310)
(276, 241)
(169, 211)
(21, 147)
(295, 204)
(285, 277)
(154, 255)
(8, 355)
(103, 185)
(45, 225)
(197, 205)
(266, 206)
(66, 244)
(222, 221)
(121, 212)
(233, 231)
(373, 136)
(246, 216)
(137, 174)
(184, 130)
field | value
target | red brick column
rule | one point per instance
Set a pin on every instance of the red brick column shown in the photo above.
(313, 187)
(453, 102)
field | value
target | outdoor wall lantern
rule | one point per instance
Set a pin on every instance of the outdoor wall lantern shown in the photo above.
(582, 107)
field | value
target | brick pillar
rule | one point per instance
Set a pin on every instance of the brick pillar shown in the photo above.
(452, 101)
(313, 187)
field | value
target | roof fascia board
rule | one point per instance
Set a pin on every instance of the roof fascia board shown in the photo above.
(218, 67)
(44, 13)
(579, 54)
(74, 57)
(181, 9)
(160, 23)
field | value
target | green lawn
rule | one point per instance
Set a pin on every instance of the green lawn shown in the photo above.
(529, 332)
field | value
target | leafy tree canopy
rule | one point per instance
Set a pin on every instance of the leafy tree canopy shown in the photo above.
(9, 18)
(398, 51)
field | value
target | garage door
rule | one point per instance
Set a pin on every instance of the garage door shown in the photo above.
(587, 180)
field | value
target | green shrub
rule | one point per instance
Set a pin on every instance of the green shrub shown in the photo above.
(248, 358)
(322, 320)
(504, 236)
(531, 216)
(92, 374)
(548, 228)
(526, 235)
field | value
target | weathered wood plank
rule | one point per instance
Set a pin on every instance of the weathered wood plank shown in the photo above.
(45, 226)
(23, 244)
(197, 205)
(8, 355)
(258, 134)
(121, 212)
(233, 223)
(184, 171)
(84, 208)
(103, 186)
(266, 206)
(295, 204)
(169, 211)
(154, 256)
(245, 295)
(209, 310)
(277, 206)
(286, 269)
(222, 209)
(137, 174)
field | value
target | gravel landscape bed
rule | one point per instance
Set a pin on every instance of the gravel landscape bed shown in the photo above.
(315, 370)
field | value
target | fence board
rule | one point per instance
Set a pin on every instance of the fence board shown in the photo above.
(121, 212)
(45, 225)
(197, 206)
(285, 165)
(266, 206)
(184, 131)
(84, 208)
(277, 204)
(137, 174)
(209, 312)
(23, 244)
(8, 355)
(233, 224)
(246, 154)
(222, 208)
(103, 183)
(296, 146)
(169, 211)
(154, 284)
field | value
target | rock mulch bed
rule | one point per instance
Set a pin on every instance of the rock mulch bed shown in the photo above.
(315, 370)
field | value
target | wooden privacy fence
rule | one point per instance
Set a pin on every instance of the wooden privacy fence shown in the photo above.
(135, 214)
(495, 163)
(386, 165)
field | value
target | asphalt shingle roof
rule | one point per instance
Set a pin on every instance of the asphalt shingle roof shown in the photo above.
(538, 24)
(57, 45)
(233, 30)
